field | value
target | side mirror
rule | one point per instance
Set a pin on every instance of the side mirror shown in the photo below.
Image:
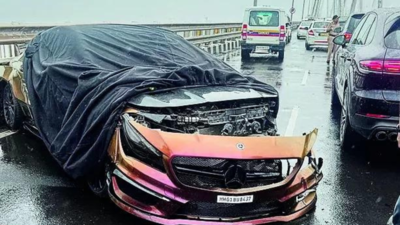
(340, 40)
(307, 28)
(287, 24)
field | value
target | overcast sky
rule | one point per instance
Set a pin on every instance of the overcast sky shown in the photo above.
(143, 11)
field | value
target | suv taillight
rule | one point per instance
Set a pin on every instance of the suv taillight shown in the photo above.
(244, 31)
(311, 32)
(348, 36)
(282, 33)
(389, 66)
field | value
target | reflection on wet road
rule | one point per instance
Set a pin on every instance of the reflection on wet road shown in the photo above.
(359, 186)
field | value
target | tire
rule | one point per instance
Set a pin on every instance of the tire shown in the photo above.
(347, 136)
(97, 183)
(245, 54)
(308, 47)
(281, 55)
(335, 102)
(13, 114)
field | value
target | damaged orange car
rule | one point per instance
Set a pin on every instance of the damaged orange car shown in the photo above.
(193, 154)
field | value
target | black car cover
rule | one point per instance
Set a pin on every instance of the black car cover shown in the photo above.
(79, 79)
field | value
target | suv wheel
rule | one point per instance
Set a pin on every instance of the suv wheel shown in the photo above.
(308, 47)
(97, 183)
(334, 97)
(245, 54)
(13, 115)
(281, 55)
(348, 137)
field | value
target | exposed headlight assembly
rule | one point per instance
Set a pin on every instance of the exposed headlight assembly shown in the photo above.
(136, 146)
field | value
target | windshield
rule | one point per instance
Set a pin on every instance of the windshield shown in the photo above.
(264, 18)
(305, 23)
(392, 39)
(320, 25)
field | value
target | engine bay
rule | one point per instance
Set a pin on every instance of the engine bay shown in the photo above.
(233, 118)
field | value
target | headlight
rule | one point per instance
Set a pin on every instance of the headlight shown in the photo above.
(136, 146)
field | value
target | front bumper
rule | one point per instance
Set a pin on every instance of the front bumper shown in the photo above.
(273, 48)
(159, 197)
(165, 208)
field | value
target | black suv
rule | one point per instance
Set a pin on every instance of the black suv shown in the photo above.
(366, 78)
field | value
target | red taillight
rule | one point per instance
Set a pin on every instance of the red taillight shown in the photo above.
(372, 65)
(348, 36)
(392, 66)
(244, 31)
(376, 116)
(282, 33)
(311, 33)
(389, 65)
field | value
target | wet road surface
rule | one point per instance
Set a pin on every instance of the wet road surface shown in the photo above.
(360, 186)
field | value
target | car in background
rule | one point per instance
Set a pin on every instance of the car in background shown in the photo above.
(264, 31)
(317, 35)
(303, 28)
(347, 30)
(366, 79)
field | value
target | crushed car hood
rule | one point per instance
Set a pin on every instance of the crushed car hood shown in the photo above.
(196, 96)
(196, 145)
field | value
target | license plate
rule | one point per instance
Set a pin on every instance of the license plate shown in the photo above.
(235, 199)
(323, 34)
(262, 48)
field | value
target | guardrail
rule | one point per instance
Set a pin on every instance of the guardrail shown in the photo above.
(205, 36)
(214, 37)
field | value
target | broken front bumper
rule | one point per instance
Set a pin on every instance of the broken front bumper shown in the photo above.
(163, 198)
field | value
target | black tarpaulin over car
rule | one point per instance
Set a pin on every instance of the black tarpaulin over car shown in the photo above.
(79, 79)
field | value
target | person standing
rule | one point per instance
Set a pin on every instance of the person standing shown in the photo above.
(331, 30)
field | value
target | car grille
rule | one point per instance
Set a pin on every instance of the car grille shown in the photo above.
(210, 173)
(217, 210)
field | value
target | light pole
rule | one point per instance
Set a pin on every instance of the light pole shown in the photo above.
(291, 16)
(304, 6)
(255, 3)
(380, 3)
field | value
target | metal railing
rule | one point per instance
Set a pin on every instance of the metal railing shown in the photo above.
(202, 35)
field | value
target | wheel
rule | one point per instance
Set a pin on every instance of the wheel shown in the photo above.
(245, 54)
(13, 115)
(308, 47)
(348, 137)
(335, 102)
(281, 55)
(97, 183)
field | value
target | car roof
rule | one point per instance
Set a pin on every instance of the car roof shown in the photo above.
(264, 8)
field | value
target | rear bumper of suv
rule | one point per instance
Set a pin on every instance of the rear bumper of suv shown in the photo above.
(273, 48)
(371, 116)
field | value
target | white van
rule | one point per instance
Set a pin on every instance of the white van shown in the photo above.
(264, 31)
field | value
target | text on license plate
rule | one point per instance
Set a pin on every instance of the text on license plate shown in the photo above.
(323, 34)
(262, 48)
(234, 199)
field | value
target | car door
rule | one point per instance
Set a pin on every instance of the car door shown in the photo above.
(347, 54)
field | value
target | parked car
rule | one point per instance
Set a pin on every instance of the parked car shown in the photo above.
(317, 35)
(303, 29)
(182, 155)
(264, 31)
(366, 81)
(347, 30)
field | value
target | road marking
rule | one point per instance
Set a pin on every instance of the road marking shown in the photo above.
(292, 121)
(6, 133)
(305, 77)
